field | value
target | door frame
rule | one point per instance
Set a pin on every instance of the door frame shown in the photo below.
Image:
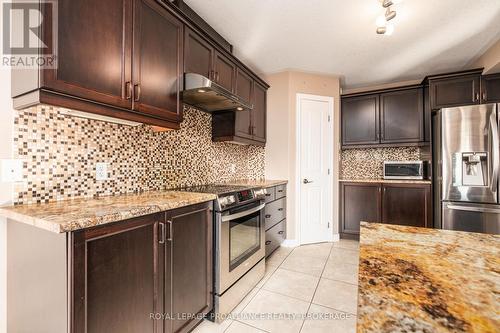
(298, 156)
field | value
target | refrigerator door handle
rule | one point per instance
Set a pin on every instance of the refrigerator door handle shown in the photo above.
(473, 209)
(495, 151)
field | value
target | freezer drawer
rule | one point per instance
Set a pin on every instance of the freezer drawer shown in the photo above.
(471, 217)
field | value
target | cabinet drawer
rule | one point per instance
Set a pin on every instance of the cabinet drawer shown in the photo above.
(274, 237)
(280, 191)
(271, 194)
(274, 212)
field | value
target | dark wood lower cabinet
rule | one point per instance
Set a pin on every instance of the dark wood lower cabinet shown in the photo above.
(188, 259)
(156, 265)
(359, 202)
(152, 273)
(406, 204)
(394, 203)
(115, 280)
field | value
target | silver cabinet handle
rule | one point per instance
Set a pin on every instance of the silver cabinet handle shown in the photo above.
(307, 181)
(242, 214)
(161, 236)
(170, 231)
(494, 150)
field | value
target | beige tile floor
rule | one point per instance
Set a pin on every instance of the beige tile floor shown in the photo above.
(307, 289)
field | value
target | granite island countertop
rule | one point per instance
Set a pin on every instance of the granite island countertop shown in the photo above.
(427, 280)
(74, 214)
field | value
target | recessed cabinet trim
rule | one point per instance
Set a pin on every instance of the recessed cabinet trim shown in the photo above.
(455, 91)
(490, 88)
(360, 120)
(402, 116)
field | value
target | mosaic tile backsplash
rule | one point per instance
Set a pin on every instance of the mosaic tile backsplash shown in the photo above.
(369, 163)
(60, 153)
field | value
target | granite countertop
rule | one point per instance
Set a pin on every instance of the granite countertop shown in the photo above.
(75, 214)
(387, 181)
(258, 183)
(427, 280)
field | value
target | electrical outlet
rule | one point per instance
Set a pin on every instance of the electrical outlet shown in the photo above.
(101, 171)
(233, 168)
(12, 170)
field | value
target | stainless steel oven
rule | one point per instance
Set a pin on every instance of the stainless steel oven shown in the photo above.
(242, 242)
(239, 243)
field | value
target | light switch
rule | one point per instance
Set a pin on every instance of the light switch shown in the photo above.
(12, 170)
(101, 171)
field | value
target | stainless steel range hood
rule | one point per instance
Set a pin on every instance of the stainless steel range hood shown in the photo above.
(208, 96)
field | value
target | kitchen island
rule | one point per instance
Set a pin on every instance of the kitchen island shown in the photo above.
(427, 280)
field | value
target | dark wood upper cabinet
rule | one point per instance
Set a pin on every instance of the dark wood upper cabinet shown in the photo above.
(360, 120)
(95, 64)
(359, 202)
(244, 89)
(402, 116)
(490, 86)
(158, 58)
(198, 55)
(259, 113)
(225, 72)
(407, 204)
(189, 256)
(244, 85)
(115, 280)
(247, 126)
(455, 91)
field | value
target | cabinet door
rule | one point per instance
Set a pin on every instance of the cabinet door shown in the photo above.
(402, 116)
(114, 277)
(244, 89)
(190, 240)
(406, 204)
(225, 72)
(158, 57)
(490, 86)
(198, 55)
(93, 43)
(259, 113)
(455, 91)
(359, 202)
(360, 120)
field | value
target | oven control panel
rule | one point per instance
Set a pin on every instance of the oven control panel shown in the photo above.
(245, 195)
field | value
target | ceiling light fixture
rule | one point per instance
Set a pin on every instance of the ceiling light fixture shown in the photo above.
(387, 3)
(383, 28)
(389, 14)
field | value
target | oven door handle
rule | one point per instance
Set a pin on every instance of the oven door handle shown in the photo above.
(242, 214)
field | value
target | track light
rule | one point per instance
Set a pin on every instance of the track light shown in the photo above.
(382, 27)
(387, 3)
(389, 14)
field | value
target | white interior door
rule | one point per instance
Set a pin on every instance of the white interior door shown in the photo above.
(315, 159)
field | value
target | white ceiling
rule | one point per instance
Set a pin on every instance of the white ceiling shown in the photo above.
(338, 36)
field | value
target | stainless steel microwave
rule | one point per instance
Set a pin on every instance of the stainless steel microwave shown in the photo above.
(405, 170)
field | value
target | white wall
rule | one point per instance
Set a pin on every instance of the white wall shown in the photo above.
(6, 125)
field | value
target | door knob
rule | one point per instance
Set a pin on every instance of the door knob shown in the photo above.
(307, 181)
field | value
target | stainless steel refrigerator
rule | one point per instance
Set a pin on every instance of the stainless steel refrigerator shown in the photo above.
(466, 144)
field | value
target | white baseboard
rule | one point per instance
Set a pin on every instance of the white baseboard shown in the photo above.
(335, 237)
(290, 243)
